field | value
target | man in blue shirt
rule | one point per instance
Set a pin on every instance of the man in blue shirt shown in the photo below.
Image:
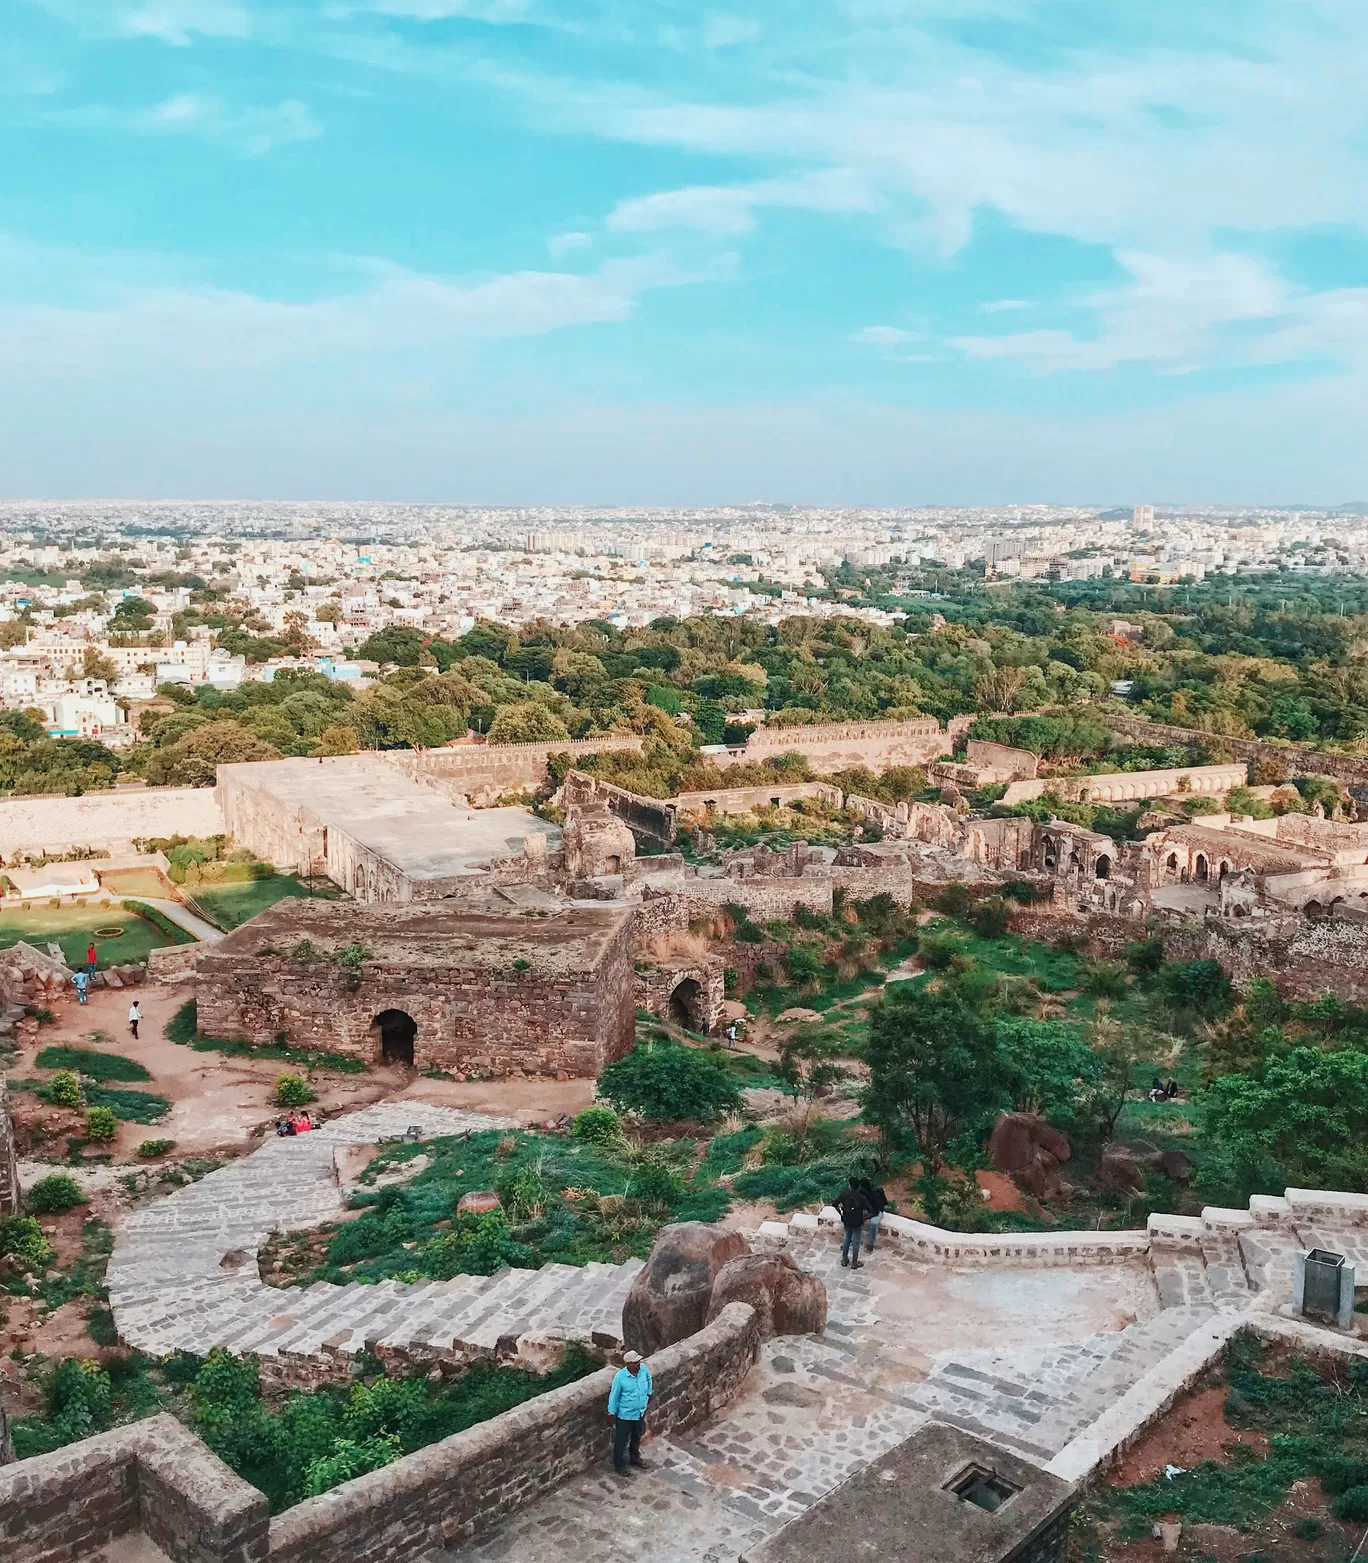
(627, 1402)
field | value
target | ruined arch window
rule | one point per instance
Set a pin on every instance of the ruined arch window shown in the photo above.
(398, 1030)
(1223, 870)
(1173, 862)
(1102, 867)
(1314, 910)
(1202, 869)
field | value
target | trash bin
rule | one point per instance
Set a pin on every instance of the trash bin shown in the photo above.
(1324, 1283)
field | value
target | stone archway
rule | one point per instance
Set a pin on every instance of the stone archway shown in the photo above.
(397, 1029)
(686, 1006)
(1201, 869)
(1102, 867)
(1172, 864)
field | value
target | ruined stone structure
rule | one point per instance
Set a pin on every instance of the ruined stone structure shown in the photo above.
(1132, 786)
(743, 800)
(11, 1195)
(836, 746)
(986, 765)
(432, 986)
(687, 993)
(380, 834)
(112, 820)
(1288, 760)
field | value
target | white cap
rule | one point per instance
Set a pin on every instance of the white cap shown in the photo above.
(631, 1356)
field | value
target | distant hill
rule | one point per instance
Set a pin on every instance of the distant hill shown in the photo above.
(1358, 509)
(1121, 513)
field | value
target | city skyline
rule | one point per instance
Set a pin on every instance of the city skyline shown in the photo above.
(969, 252)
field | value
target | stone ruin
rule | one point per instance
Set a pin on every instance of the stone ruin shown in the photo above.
(11, 1195)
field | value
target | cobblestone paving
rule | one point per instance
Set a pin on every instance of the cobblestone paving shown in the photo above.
(183, 1275)
(819, 1408)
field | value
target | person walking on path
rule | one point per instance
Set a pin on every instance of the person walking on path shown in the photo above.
(134, 1016)
(82, 981)
(92, 960)
(877, 1201)
(627, 1402)
(854, 1210)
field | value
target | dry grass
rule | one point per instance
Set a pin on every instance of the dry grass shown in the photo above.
(684, 944)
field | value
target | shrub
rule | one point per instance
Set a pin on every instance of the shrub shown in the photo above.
(184, 1024)
(22, 1241)
(955, 900)
(150, 1148)
(476, 1245)
(1019, 890)
(804, 964)
(292, 1091)
(54, 1194)
(65, 1089)
(664, 1081)
(100, 1123)
(597, 1125)
(1353, 1505)
(990, 917)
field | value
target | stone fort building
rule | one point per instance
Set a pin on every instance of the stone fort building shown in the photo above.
(433, 986)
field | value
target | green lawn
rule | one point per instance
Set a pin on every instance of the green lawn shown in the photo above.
(72, 927)
(229, 906)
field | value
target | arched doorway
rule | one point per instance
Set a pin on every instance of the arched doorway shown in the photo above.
(1173, 862)
(1202, 869)
(1102, 868)
(1314, 910)
(686, 1005)
(397, 1032)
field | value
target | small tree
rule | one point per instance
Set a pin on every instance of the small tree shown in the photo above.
(64, 1089)
(934, 1068)
(664, 1081)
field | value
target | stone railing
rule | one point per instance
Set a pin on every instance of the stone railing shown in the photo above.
(935, 1245)
(157, 1478)
(153, 1477)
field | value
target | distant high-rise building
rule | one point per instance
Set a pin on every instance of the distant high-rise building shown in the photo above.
(1143, 515)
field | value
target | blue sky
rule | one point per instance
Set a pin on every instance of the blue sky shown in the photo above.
(540, 251)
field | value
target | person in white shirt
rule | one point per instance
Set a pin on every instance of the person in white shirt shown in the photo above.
(134, 1016)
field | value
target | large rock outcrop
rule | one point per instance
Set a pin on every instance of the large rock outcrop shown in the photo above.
(1029, 1151)
(671, 1294)
(787, 1300)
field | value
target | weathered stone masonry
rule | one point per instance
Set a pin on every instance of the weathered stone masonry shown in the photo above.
(9, 1169)
(490, 995)
(157, 1478)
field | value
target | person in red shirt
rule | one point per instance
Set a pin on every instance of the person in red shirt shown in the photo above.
(92, 960)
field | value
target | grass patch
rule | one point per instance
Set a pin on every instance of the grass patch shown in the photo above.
(229, 906)
(1316, 1423)
(129, 1106)
(73, 928)
(92, 1064)
(85, 1278)
(564, 1201)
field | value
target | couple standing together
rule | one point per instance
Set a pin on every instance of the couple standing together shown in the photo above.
(861, 1205)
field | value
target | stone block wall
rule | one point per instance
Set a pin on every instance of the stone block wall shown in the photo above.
(1295, 759)
(764, 899)
(741, 800)
(475, 1020)
(10, 1193)
(454, 1490)
(834, 746)
(152, 1477)
(1305, 959)
(467, 768)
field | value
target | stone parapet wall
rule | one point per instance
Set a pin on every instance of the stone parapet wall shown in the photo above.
(451, 1491)
(1305, 959)
(1131, 786)
(467, 768)
(173, 962)
(742, 800)
(1295, 759)
(765, 901)
(834, 746)
(154, 1477)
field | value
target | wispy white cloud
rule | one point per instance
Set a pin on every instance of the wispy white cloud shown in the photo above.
(708, 208)
(725, 32)
(883, 336)
(1184, 313)
(185, 328)
(175, 22)
(249, 130)
(1002, 306)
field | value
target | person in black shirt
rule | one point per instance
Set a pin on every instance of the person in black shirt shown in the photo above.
(877, 1201)
(855, 1212)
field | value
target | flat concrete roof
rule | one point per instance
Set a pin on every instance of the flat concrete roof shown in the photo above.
(434, 934)
(900, 1509)
(416, 828)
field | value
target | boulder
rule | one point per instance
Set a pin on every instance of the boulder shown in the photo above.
(787, 1300)
(671, 1293)
(1029, 1151)
(477, 1202)
(1120, 1168)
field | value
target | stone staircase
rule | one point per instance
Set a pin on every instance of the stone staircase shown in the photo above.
(184, 1274)
(1036, 1402)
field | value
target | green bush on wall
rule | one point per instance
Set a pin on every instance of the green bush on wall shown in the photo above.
(292, 1091)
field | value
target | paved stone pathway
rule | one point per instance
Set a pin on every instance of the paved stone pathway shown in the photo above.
(183, 917)
(184, 1274)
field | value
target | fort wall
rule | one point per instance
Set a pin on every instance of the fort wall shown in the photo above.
(113, 819)
(1293, 759)
(742, 800)
(10, 1192)
(835, 746)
